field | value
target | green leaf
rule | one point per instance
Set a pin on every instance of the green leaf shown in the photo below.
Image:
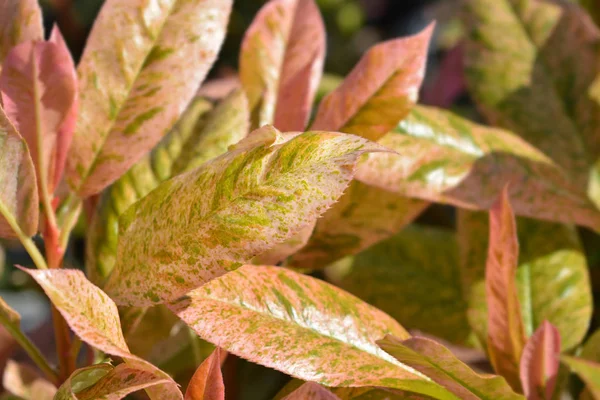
(444, 158)
(82, 379)
(363, 216)
(438, 363)
(414, 276)
(552, 276)
(259, 194)
(23, 381)
(21, 21)
(588, 371)
(132, 95)
(532, 68)
(301, 326)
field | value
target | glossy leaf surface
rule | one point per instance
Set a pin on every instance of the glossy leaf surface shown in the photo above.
(20, 21)
(207, 382)
(540, 362)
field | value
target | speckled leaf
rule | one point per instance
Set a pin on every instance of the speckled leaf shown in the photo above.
(207, 382)
(281, 63)
(18, 189)
(38, 87)
(93, 316)
(301, 326)
(438, 363)
(131, 95)
(552, 277)
(532, 68)
(236, 206)
(363, 216)
(540, 362)
(20, 21)
(588, 371)
(311, 391)
(201, 133)
(444, 158)
(23, 381)
(355, 393)
(283, 250)
(414, 276)
(380, 90)
(82, 379)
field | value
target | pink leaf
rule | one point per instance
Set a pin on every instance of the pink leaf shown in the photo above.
(207, 382)
(311, 391)
(20, 21)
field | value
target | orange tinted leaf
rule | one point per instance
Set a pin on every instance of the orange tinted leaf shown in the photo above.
(207, 382)
(540, 363)
(281, 63)
(311, 391)
(379, 91)
(20, 21)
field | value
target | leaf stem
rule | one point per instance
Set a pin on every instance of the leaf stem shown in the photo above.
(195, 347)
(26, 241)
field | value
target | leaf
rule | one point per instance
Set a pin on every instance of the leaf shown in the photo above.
(132, 95)
(414, 276)
(438, 363)
(506, 333)
(38, 85)
(301, 326)
(540, 363)
(355, 393)
(82, 379)
(20, 21)
(363, 216)
(311, 391)
(444, 158)
(18, 190)
(283, 250)
(201, 133)
(281, 63)
(588, 371)
(94, 318)
(552, 276)
(260, 193)
(540, 79)
(23, 381)
(207, 382)
(380, 90)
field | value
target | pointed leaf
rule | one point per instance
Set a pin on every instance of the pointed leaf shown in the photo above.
(237, 206)
(281, 63)
(20, 21)
(23, 381)
(444, 158)
(363, 216)
(588, 371)
(93, 316)
(380, 90)
(301, 326)
(540, 363)
(18, 191)
(207, 382)
(438, 363)
(82, 379)
(38, 86)
(132, 95)
(311, 391)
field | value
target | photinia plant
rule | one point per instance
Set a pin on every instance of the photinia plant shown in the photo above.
(261, 223)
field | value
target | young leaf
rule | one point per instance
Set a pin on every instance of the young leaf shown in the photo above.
(23, 381)
(236, 206)
(281, 63)
(444, 158)
(207, 382)
(93, 316)
(380, 90)
(82, 379)
(19, 207)
(38, 86)
(588, 371)
(363, 216)
(311, 391)
(506, 333)
(20, 21)
(301, 326)
(540, 363)
(438, 363)
(132, 95)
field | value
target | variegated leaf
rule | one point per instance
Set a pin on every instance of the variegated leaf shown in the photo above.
(19, 208)
(38, 87)
(301, 326)
(588, 371)
(94, 318)
(363, 216)
(260, 193)
(532, 68)
(20, 21)
(311, 391)
(207, 382)
(23, 381)
(131, 96)
(444, 158)
(380, 90)
(201, 133)
(281, 63)
(355, 393)
(413, 276)
(438, 363)
(283, 250)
